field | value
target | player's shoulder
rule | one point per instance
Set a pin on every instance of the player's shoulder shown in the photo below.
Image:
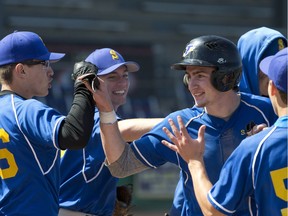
(34, 104)
(22, 104)
(256, 100)
(33, 109)
(188, 113)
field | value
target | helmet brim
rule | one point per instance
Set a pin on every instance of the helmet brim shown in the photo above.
(190, 62)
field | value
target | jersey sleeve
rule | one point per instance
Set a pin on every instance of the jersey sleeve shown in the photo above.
(149, 148)
(39, 123)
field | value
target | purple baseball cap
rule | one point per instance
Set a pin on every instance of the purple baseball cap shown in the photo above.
(107, 60)
(20, 46)
(275, 67)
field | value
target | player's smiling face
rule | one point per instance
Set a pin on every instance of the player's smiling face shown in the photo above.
(118, 85)
(200, 86)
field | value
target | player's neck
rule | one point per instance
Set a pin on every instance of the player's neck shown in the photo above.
(14, 88)
(225, 106)
(6, 88)
(283, 111)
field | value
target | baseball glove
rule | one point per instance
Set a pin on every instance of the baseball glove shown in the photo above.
(89, 70)
(123, 201)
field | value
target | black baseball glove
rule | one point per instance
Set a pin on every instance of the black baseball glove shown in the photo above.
(89, 70)
(123, 201)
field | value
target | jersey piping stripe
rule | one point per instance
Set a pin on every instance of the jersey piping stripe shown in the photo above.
(179, 165)
(27, 140)
(220, 206)
(149, 164)
(54, 132)
(187, 178)
(267, 122)
(257, 152)
(198, 116)
(178, 160)
(83, 169)
(250, 206)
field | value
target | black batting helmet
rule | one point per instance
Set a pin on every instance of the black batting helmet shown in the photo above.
(214, 51)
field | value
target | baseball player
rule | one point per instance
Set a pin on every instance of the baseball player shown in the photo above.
(87, 186)
(257, 169)
(31, 133)
(212, 67)
(254, 46)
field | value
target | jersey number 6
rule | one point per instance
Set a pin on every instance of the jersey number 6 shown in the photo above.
(12, 168)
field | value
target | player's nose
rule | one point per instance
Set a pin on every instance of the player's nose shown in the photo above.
(50, 71)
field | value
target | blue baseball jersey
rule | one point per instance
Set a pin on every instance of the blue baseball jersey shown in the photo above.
(257, 169)
(86, 183)
(29, 157)
(221, 137)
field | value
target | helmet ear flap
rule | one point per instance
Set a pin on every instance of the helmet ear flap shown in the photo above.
(216, 80)
(224, 81)
(185, 80)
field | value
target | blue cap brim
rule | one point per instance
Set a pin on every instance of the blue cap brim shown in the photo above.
(56, 56)
(131, 67)
(53, 57)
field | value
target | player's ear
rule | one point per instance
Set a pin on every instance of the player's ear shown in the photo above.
(19, 70)
(272, 90)
(185, 80)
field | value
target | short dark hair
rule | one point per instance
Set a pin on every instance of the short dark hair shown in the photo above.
(6, 74)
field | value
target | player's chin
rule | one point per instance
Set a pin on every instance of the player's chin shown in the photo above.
(119, 101)
(43, 93)
(199, 104)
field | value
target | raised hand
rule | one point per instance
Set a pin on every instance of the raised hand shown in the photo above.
(86, 71)
(183, 143)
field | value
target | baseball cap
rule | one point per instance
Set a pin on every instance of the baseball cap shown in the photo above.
(275, 67)
(20, 46)
(274, 46)
(107, 60)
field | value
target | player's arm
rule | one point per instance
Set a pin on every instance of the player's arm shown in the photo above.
(192, 150)
(120, 158)
(112, 141)
(75, 129)
(132, 129)
(127, 164)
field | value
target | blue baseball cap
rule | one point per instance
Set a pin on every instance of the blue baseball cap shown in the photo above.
(275, 67)
(20, 46)
(108, 60)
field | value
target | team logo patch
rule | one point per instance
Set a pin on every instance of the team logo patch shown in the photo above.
(188, 49)
(221, 61)
(281, 44)
(114, 55)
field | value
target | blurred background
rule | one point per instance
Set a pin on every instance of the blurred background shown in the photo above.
(151, 32)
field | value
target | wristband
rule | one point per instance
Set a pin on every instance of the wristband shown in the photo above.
(108, 117)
